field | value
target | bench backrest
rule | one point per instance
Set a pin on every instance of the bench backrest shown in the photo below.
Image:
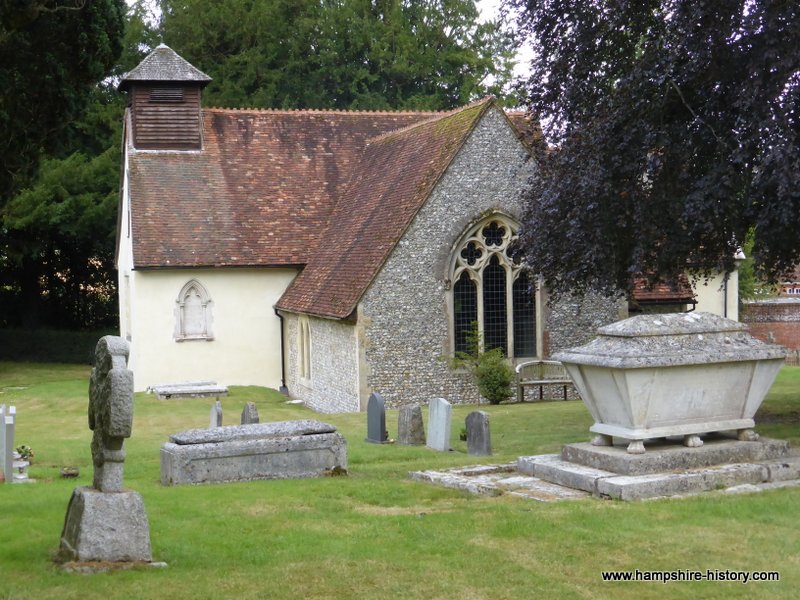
(540, 370)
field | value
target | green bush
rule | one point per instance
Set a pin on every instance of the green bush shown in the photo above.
(494, 376)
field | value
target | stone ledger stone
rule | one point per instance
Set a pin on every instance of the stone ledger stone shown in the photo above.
(439, 425)
(479, 440)
(228, 433)
(410, 427)
(102, 526)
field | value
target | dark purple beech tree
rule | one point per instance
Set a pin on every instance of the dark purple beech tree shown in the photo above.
(675, 132)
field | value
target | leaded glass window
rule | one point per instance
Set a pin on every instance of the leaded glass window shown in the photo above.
(493, 292)
(524, 307)
(465, 304)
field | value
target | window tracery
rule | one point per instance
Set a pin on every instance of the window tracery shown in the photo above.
(492, 290)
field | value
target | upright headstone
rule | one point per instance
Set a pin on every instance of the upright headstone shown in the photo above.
(249, 414)
(439, 425)
(216, 415)
(107, 522)
(7, 415)
(410, 428)
(479, 442)
(376, 420)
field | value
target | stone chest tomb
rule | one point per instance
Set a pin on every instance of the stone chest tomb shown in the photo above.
(278, 450)
(682, 374)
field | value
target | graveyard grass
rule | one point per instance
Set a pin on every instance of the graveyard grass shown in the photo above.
(375, 533)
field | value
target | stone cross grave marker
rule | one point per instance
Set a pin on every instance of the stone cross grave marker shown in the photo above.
(479, 441)
(249, 414)
(7, 415)
(107, 522)
(216, 415)
(376, 420)
(439, 425)
(410, 428)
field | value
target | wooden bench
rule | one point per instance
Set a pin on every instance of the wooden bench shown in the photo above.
(188, 389)
(541, 373)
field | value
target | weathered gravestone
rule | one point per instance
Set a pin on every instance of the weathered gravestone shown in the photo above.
(7, 414)
(249, 414)
(216, 415)
(410, 428)
(439, 425)
(479, 441)
(107, 522)
(376, 420)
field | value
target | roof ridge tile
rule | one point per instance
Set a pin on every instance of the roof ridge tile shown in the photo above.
(337, 111)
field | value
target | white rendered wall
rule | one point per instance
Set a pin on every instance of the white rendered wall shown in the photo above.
(246, 349)
(714, 296)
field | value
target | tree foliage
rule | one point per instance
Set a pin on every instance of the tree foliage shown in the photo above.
(57, 230)
(51, 55)
(426, 54)
(676, 131)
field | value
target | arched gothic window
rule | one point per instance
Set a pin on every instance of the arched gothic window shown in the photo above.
(491, 290)
(193, 313)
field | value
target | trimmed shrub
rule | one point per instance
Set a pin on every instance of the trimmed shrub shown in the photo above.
(494, 376)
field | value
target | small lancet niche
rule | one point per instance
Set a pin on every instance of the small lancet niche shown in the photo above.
(193, 313)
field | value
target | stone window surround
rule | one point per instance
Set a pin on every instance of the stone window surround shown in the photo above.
(304, 350)
(458, 265)
(206, 305)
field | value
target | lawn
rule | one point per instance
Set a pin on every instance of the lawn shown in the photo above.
(375, 533)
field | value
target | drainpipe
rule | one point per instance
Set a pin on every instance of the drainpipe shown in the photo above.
(283, 389)
(725, 295)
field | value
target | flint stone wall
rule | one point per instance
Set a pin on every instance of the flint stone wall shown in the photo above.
(404, 314)
(334, 383)
(401, 341)
(574, 321)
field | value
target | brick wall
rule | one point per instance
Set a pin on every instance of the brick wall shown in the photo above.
(775, 321)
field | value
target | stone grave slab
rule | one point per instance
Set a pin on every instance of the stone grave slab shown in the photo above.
(479, 440)
(410, 426)
(439, 421)
(376, 420)
(249, 414)
(215, 417)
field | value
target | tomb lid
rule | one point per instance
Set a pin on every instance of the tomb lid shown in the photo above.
(671, 340)
(253, 431)
(671, 324)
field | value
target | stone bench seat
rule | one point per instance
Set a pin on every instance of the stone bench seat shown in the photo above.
(539, 373)
(189, 389)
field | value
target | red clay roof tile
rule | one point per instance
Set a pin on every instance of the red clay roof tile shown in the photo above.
(258, 194)
(395, 175)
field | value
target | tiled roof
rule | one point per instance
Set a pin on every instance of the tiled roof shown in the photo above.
(679, 292)
(395, 175)
(163, 64)
(258, 194)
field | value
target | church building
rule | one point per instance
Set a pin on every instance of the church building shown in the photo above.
(330, 254)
